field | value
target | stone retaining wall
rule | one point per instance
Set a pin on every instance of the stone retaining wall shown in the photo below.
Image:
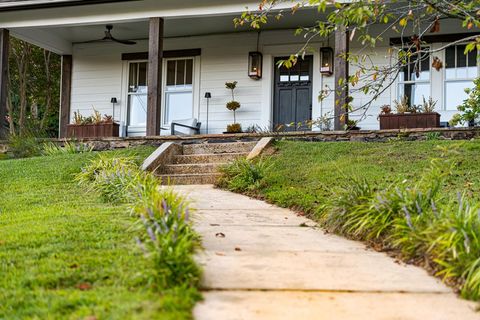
(326, 136)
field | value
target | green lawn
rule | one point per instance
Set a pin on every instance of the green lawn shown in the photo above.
(304, 174)
(65, 254)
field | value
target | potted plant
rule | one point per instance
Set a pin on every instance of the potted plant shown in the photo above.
(470, 107)
(233, 106)
(351, 125)
(94, 126)
(410, 116)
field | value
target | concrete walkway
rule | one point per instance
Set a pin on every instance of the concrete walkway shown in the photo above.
(264, 262)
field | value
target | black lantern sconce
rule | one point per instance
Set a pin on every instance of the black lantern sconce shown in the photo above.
(326, 66)
(255, 64)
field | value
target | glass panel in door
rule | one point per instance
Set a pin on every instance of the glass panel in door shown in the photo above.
(137, 98)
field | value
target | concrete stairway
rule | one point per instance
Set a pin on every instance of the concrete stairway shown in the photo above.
(199, 163)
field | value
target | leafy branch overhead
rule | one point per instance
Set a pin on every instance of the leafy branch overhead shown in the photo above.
(409, 20)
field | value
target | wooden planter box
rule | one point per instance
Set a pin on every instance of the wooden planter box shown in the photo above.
(409, 121)
(104, 130)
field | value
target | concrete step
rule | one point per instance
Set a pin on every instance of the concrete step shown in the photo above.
(192, 168)
(189, 179)
(216, 148)
(208, 158)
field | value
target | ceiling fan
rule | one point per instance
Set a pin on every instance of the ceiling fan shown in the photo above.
(110, 38)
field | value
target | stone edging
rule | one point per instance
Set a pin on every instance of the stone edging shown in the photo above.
(324, 136)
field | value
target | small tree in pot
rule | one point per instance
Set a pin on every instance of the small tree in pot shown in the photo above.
(233, 106)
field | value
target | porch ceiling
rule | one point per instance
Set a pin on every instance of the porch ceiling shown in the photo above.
(62, 37)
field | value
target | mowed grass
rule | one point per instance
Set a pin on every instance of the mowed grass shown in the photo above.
(65, 254)
(305, 174)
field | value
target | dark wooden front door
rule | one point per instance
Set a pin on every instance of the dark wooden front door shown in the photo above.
(292, 108)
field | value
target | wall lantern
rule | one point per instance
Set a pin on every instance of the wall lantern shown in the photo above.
(326, 66)
(255, 64)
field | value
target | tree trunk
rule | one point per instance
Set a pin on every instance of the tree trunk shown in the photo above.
(48, 98)
(22, 57)
(11, 123)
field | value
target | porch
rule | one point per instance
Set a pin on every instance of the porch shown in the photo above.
(183, 55)
(170, 66)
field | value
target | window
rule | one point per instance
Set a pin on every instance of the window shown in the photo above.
(460, 71)
(137, 94)
(414, 78)
(300, 72)
(178, 90)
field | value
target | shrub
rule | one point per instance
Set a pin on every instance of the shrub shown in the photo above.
(167, 237)
(428, 106)
(24, 146)
(432, 136)
(243, 175)
(470, 108)
(416, 221)
(171, 242)
(234, 128)
(53, 149)
(114, 178)
(454, 238)
(359, 211)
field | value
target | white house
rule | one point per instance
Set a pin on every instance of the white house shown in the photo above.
(179, 50)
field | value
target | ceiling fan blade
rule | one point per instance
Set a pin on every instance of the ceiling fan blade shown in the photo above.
(91, 41)
(127, 42)
(109, 38)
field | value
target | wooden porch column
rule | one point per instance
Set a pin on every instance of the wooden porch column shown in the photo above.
(155, 55)
(342, 47)
(65, 94)
(4, 51)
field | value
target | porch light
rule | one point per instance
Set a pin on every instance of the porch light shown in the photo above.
(113, 101)
(208, 96)
(255, 64)
(326, 66)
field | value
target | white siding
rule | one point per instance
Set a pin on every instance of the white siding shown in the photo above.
(99, 74)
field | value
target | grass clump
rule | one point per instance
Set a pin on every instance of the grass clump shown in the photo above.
(415, 219)
(114, 178)
(24, 146)
(165, 233)
(69, 147)
(243, 175)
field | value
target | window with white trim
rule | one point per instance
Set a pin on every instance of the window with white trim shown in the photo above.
(178, 90)
(137, 94)
(460, 71)
(414, 78)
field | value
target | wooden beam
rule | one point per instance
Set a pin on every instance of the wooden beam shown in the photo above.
(155, 56)
(166, 54)
(4, 51)
(65, 94)
(342, 47)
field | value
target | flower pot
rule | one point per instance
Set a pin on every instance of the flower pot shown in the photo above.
(102, 130)
(409, 121)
